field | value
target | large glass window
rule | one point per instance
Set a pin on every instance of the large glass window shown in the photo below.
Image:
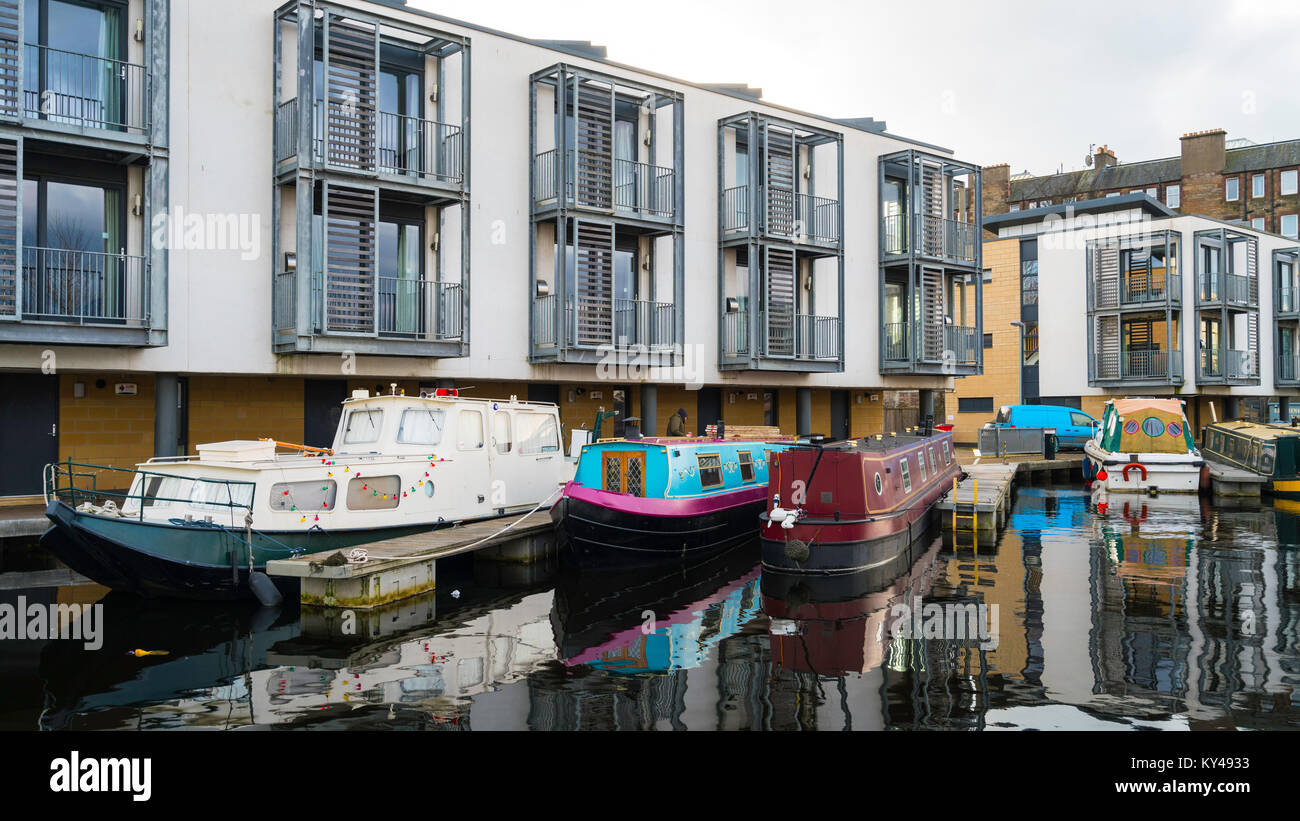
(1288, 183)
(73, 239)
(1231, 192)
(72, 69)
(403, 301)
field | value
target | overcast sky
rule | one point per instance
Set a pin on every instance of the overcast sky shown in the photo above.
(1032, 84)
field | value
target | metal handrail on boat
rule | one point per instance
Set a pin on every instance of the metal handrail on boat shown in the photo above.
(56, 471)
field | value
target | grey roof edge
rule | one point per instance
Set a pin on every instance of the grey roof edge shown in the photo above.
(1099, 204)
(400, 5)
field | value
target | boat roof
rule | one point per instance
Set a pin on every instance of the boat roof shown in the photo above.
(1258, 430)
(1124, 407)
(401, 397)
(693, 441)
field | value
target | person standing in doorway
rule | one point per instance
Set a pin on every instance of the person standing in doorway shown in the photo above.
(677, 423)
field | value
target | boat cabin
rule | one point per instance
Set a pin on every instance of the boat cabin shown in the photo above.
(1268, 450)
(676, 468)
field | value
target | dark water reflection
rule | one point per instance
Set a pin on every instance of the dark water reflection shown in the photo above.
(1163, 613)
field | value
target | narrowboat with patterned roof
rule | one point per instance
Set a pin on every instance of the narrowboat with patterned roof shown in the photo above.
(1143, 445)
(854, 505)
(670, 496)
(1271, 451)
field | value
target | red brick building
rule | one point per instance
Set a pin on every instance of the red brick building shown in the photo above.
(1256, 184)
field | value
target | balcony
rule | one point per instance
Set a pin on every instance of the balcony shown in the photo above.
(1230, 365)
(399, 146)
(1142, 366)
(632, 187)
(789, 216)
(636, 324)
(959, 344)
(420, 310)
(935, 237)
(85, 93)
(1288, 368)
(801, 337)
(84, 288)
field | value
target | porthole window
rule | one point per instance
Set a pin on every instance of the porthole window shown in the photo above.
(880, 485)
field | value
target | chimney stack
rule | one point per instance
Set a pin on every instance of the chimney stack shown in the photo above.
(995, 182)
(1204, 152)
(1104, 158)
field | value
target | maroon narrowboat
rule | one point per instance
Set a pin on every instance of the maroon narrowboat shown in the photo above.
(853, 505)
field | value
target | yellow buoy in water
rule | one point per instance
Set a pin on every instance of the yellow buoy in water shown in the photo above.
(138, 653)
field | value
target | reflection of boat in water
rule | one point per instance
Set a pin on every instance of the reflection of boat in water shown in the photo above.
(853, 505)
(633, 622)
(202, 527)
(209, 651)
(1144, 445)
(833, 624)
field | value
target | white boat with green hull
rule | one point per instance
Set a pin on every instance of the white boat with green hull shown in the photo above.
(203, 526)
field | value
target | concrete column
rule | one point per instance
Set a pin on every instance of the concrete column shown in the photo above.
(1230, 408)
(649, 409)
(1284, 409)
(166, 416)
(927, 405)
(803, 411)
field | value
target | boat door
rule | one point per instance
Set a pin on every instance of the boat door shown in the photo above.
(538, 460)
(471, 471)
(509, 469)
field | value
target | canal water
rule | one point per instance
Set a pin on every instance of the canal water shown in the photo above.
(1162, 613)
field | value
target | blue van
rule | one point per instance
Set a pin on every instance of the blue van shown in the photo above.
(1073, 426)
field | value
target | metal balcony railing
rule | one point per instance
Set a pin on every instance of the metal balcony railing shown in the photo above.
(1137, 288)
(652, 325)
(735, 334)
(1151, 365)
(415, 309)
(794, 216)
(84, 90)
(896, 342)
(1215, 287)
(816, 337)
(1288, 367)
(404, 146)
(643, 187)
(544, 335)
(1286, 299)
(965, 343)
(1233, 364)
(735, 208)
(84, 287)
(933, 236)
(635, 186)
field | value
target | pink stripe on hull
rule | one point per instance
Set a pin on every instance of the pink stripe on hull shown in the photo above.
(695, 506)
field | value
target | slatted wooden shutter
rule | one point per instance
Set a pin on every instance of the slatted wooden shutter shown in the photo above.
(1107, 347)
(1105, 275)
(779, 297)
(10, 205)
(1252, 340)
(779, 179)
(593, 282)
(351, 74)
(11, 61)
(932, 314)
(350, 216)
(1252, 270)
(593, 171)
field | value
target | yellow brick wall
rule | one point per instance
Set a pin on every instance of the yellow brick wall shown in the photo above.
(867, 418)
(1001, 378)
(102, 428)
(744, 411)
(227, 407)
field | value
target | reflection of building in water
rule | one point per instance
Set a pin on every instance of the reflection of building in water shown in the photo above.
(1193, 617)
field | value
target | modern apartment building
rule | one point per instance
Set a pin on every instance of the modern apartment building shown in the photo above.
(1231, 180)
(209, 233)
(1121, 296)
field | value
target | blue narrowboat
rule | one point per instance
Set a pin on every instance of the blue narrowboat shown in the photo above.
(665, 496)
